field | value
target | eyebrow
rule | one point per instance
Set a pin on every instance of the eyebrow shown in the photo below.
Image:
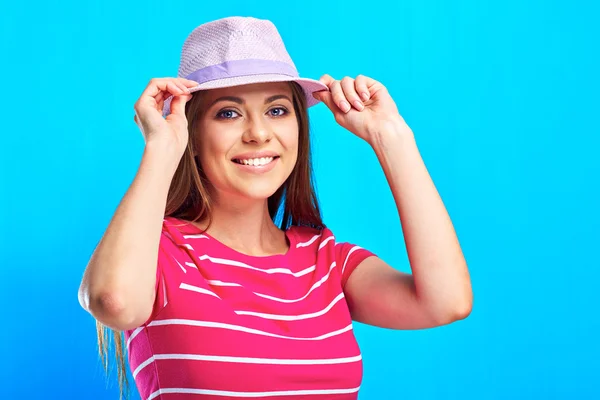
(239, 100)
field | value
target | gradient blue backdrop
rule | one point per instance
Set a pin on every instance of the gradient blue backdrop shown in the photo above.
(503, 99)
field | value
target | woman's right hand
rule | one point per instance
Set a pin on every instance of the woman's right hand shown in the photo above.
(170, 132)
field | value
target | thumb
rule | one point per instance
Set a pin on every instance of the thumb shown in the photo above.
(325, 97)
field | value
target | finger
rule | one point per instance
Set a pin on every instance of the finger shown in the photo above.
(152, 97)
(188, 82)
(327, 80)
(349, 90)
(338, 96)
(160, 100)
(181, 87)
(157, 85)
(362, 88)
(184, 86)
(178, 104)
(175, 90)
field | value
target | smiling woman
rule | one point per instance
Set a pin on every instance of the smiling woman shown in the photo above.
(259, 122)
(230, 139)
(217, 274)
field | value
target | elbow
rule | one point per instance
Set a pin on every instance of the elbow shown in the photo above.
(106, 305)
(462, 304)
(459, 311)
(463, 311)
(110, 309)
(465, 305)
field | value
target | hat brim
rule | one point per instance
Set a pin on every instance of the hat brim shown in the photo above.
(309, 86)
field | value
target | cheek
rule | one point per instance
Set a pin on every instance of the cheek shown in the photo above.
(290, 158)
(212, 150)
(289, 137)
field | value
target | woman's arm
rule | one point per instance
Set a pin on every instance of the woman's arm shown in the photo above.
(118, 285)
(439, 290)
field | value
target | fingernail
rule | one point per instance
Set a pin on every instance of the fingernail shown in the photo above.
(359, 106)
(344, 106)
(365, 96)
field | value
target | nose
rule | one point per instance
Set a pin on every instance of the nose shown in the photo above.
(257, 131)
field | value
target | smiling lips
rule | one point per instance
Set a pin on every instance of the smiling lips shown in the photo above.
(257, 162)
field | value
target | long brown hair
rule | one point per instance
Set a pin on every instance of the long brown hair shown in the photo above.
(293, 204)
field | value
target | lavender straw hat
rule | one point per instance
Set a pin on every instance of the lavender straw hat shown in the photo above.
(238, 51)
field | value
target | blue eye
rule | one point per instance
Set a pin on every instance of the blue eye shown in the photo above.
(230, 114)
(282, 110)
(226, 114)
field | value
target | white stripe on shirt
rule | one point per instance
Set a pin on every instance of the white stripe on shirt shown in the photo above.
(133, 335)
(197, 289)
(253, 394)
(292, 317)
(306, 244)
(180, 266)
(352, 250)
(245, 360)
(264, 315)
(233, 263)
(324, 242)
(239, 328)
(199, 236)
(266, 296)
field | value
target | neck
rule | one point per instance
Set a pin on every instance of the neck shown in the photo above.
(246, 226)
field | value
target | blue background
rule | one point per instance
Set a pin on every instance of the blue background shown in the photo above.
(503, 99)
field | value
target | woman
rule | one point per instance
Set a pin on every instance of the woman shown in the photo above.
(216, 300)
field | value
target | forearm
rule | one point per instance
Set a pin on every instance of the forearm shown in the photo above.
(118, 284)
(439, 269)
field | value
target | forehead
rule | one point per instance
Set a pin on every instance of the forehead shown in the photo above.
(258, 91)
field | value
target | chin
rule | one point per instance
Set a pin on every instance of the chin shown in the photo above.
(253, 185)
(258, 190)
(259, 185)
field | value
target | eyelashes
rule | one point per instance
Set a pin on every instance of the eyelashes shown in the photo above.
(228, 114)
(224, 114)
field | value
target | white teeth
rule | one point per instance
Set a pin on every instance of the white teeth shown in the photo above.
(256, 161)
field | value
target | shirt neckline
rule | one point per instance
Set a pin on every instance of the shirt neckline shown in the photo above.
(186, 227)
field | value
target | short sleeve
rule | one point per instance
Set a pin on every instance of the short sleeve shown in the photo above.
(348, 257)
(168, 273)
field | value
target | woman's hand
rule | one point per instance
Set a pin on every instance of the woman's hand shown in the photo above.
(171, 131)
(362, 105)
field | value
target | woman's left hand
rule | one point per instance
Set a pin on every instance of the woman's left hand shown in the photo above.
(362, 105)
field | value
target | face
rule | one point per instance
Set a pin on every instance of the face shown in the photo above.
(248, 139)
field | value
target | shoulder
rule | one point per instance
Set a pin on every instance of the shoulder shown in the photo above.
(172, 223)
(304, 231)
(319, 239)
(305, 236)
(180, 231)
(179, 236)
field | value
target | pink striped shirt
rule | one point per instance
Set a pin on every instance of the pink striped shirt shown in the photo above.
(226, 325)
